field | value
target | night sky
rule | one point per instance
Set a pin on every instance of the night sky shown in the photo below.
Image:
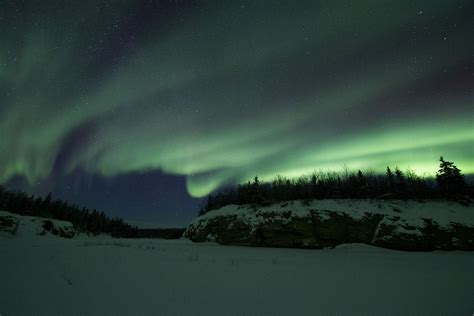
(141, 108)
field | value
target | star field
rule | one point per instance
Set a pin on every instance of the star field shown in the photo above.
(216, 92)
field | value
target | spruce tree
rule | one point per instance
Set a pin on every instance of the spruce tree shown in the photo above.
(361, 185)
(255, 189)
(391, 180)
(450, 180)
(401, 186)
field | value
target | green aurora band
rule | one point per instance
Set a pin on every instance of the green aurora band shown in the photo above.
(236, 90)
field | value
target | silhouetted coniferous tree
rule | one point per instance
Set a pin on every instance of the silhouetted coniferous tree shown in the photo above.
(401, 186)
(362, 185)
(391, 180)
(256, 195)
(451, 182)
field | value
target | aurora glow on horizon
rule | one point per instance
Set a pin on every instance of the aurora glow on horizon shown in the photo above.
(221, 91)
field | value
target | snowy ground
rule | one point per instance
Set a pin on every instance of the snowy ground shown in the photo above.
(101, 276)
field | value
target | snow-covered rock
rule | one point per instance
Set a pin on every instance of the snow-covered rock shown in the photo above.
(27, 226)
(395, 224)
(8, 224)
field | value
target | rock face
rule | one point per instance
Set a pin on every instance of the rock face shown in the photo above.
(403, 225)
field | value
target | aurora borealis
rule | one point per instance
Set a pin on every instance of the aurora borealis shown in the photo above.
(216, 92)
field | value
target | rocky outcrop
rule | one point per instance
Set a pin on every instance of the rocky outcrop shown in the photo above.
(62, 229)
(8, 225)
(413, 226)
(18, 225)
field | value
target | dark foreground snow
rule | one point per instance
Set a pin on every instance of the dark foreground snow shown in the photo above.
(102, 276)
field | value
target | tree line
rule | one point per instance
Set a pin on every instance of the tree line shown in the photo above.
(83, 219)
(449, 183)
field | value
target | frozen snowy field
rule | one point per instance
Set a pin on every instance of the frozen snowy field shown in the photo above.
(103, 276)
